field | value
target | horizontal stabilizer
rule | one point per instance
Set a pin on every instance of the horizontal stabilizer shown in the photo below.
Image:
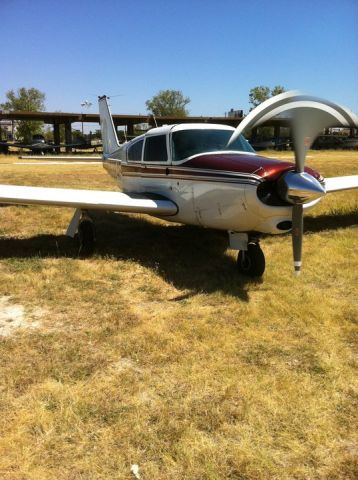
(86, 199)
(335, 184)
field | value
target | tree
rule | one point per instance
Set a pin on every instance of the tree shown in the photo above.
(258, 95)
(261, 93)
(277, 90)
(168, 103)
(27, 100)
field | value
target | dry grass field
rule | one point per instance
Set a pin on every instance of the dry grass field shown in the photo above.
(156, 352)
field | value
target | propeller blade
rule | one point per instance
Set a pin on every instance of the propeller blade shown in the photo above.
(309, 118)
(254, 117)
(297, 236)
(288, 102)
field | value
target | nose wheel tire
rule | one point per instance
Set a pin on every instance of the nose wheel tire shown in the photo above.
(251, 262)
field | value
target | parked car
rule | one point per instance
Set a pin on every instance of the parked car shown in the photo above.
(274, 143)
(328, 142)
(350, 143)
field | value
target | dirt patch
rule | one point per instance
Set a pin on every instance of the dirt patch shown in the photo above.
(13, 316)
(126, 364)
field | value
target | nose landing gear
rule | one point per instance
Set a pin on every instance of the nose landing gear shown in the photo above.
(251, 259)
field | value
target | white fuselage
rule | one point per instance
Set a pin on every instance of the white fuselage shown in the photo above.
(210, 198)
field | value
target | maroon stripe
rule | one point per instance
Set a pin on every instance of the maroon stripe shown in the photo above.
(223, 165)
(128, 170)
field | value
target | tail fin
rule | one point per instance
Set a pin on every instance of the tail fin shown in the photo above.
(109, 135)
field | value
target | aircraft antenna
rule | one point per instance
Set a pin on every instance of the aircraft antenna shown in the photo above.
(85, 104)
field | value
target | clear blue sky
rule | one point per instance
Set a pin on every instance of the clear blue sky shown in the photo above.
(214, 51)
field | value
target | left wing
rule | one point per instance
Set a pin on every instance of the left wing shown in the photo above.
(86, 199)
(335, 184)
(15, 145)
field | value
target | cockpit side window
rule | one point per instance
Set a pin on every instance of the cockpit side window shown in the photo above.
(135, 151)
(155, 149)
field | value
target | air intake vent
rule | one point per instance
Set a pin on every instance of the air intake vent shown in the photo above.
(286, 225)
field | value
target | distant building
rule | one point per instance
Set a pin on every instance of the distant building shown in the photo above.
(234, 113)
(143, 127)
(6, 128)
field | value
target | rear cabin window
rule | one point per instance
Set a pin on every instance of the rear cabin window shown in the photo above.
(155, 149)
(135, 152)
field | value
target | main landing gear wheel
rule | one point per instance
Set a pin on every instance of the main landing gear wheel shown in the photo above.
(251, 262)
(86, 236)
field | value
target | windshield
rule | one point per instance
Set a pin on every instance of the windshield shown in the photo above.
(191, 142)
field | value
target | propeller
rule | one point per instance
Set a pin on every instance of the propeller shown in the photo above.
(308, 115)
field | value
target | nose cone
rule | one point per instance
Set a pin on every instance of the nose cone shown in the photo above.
(299, 188)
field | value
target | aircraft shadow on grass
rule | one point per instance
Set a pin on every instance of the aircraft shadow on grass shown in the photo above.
(190, 258)
(330, 222)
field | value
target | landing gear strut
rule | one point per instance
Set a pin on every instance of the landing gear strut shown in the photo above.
(86, 236)
(82, 223)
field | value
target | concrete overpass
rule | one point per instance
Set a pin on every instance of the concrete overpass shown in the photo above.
(129, 121)
(67, 119)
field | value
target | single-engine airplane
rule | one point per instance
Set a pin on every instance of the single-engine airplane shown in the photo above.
(38, 146)
(209, 175)
(82, 146)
